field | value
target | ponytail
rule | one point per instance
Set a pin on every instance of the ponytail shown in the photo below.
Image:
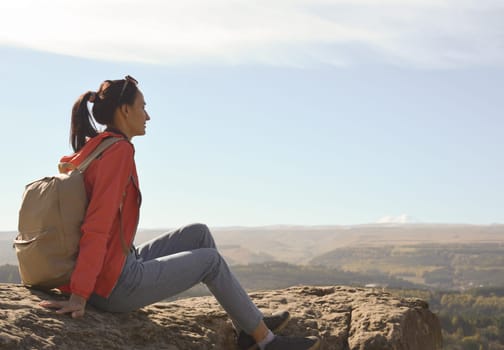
(82, 125)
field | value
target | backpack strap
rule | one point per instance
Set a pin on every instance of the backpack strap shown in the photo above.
(97, 151)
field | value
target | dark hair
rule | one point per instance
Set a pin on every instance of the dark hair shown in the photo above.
(110, 95)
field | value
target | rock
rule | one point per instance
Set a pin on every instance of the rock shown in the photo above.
(344, 318)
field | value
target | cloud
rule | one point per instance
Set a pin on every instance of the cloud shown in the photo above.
(401, 219)
(419, 33)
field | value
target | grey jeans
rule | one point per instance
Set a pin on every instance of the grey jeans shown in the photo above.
(173, 263)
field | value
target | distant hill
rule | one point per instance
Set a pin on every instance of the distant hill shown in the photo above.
(447, 266)
(302, 244)
(9, 274)
(7, 253)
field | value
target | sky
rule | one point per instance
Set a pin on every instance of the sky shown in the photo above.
(299, 112)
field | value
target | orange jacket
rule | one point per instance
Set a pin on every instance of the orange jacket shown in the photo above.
(109, 180)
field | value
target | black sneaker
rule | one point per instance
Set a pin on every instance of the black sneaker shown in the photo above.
(275, 322)
(293, 343)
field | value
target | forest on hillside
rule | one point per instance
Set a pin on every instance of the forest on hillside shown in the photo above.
(454, 266)
(473, 320)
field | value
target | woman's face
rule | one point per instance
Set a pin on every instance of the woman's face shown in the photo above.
(137, 117)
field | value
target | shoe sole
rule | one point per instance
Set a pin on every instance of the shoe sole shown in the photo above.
(277, 329)
(316, 345)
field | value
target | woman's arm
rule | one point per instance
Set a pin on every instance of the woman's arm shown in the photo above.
(112, 176)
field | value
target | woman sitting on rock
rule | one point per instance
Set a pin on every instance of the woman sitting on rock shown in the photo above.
(110, 273)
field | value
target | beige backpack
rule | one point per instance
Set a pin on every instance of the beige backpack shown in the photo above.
(51, 214)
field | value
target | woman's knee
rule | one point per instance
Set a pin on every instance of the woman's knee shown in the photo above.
(203, 233)
(198, 227)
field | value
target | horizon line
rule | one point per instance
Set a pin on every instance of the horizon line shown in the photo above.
(270, 226)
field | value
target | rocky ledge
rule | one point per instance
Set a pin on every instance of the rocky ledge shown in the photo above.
(345, 318)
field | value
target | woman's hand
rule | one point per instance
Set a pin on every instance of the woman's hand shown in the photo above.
(76, 305)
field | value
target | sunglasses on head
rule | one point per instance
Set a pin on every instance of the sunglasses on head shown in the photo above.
(127, 79)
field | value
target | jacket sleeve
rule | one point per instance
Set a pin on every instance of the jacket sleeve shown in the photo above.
(112, 176)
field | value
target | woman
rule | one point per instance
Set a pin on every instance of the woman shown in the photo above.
(110, 273)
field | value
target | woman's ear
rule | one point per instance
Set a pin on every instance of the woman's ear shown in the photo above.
(124, 109)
